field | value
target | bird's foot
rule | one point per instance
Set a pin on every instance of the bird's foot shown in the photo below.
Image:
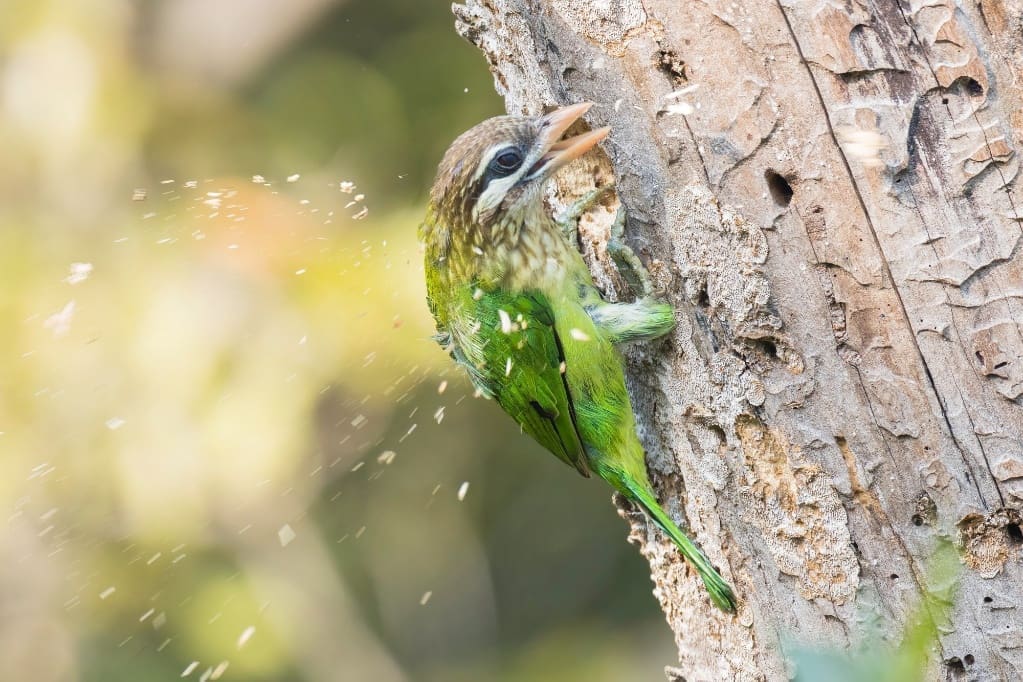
(626, 260)
(568, 221)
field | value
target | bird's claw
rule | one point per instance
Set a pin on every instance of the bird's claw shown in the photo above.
(568, 221)
(626, 260)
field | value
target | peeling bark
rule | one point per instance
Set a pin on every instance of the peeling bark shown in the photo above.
(828, 193)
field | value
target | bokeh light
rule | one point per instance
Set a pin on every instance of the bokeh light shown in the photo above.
(229, 448)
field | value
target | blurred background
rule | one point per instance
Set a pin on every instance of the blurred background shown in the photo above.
(229, 448)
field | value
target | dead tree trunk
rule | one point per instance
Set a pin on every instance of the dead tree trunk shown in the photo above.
(829, 195)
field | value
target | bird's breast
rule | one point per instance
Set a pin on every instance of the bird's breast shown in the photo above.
(537, 259)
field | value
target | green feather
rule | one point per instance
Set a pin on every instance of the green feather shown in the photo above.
(558, 376)
(509, 346)
(539, 340)
(641, 494)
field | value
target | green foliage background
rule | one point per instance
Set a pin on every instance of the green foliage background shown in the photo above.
(194, 458)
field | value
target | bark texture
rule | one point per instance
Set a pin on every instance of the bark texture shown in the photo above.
(829, 195)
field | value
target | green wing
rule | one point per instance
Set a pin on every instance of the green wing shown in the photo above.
(512, 352)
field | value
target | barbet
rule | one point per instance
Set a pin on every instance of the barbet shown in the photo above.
(516, 306)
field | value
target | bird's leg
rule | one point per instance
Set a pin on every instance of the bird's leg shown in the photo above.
(645, 318)
(628, 263)
(641, 320)
(568, 221)
(625, 258)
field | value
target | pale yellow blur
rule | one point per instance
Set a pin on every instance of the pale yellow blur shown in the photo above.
(213, 334)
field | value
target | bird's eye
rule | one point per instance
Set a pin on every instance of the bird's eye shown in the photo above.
(506, 162)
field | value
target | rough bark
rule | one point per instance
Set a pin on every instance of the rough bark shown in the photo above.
(828, 194)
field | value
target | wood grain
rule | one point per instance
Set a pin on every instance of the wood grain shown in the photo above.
(829, 195)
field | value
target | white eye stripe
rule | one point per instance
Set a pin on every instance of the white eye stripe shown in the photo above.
(486, 158)
(494, 194)
(494, 189)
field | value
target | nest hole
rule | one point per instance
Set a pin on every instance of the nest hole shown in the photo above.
(768, 347)
(779, 187)
(703, 300)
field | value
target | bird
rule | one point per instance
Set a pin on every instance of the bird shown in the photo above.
(516, 306)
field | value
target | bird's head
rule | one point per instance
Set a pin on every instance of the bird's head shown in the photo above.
(496, 170)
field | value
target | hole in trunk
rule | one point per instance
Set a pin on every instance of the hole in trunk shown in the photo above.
(781, 190)
(704, 298)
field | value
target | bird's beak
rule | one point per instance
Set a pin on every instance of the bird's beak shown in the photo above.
(558, 152)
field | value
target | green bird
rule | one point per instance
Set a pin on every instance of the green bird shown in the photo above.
(516, 306)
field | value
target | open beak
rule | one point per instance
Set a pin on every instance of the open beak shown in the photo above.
(559, 152)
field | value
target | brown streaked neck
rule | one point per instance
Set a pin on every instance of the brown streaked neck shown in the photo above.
(518, 250)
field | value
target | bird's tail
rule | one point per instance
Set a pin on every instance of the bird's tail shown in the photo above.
(720, 591)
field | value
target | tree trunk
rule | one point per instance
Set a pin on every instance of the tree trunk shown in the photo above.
(827, 194)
